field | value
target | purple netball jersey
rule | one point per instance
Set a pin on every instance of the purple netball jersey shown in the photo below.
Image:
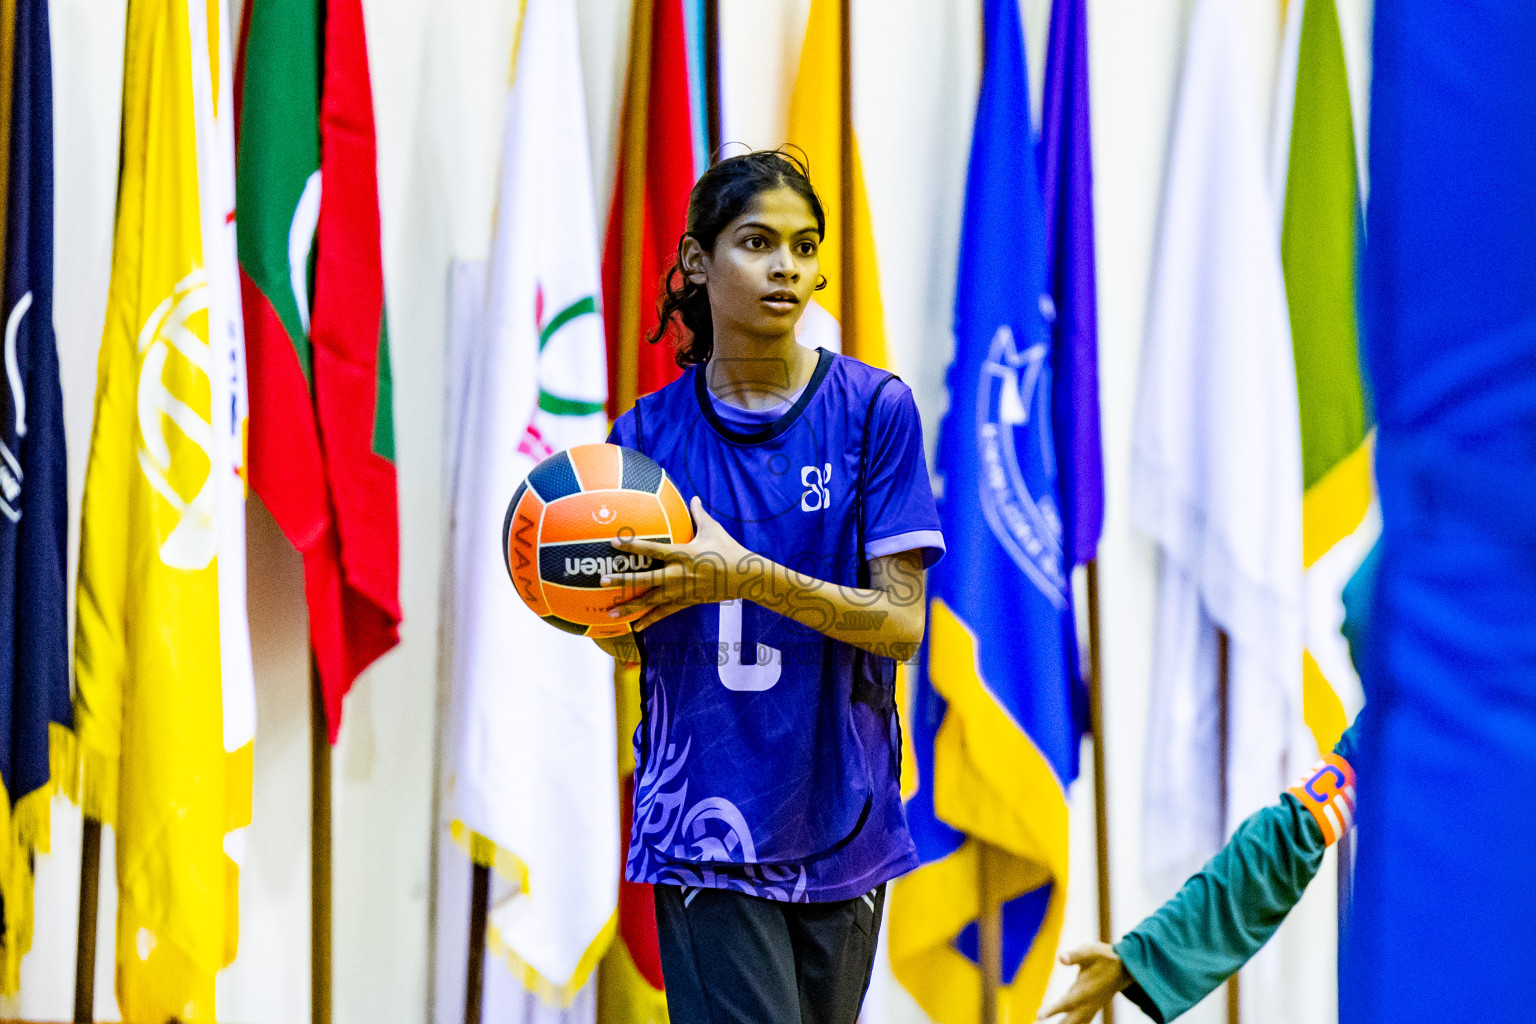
(768, 754)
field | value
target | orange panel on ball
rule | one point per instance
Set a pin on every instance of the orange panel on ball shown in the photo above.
(599, 466)
(677, 512)
(603, 515)
(523, 551)
(589, 607)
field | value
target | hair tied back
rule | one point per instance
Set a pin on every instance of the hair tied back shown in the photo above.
(722, 194)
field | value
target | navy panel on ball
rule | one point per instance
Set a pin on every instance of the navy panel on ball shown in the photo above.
(555, 477)
(640, 472)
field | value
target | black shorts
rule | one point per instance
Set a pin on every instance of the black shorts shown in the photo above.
(730, 958)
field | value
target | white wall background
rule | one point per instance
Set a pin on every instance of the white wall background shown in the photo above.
(439, 72)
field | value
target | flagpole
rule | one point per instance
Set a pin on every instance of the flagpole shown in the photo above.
(632, 209)
(85, 932)
(1100, 781)
(319, 855)
(989, 933)
(989, 919)
(848, 314)
(714, 131)
(1223, 752)
(632, 146)
(632, 143)
(479, 910)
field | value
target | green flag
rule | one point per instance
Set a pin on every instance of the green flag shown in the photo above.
(321, 439)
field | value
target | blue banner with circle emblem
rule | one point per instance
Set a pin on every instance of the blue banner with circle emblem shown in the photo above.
(998, 712)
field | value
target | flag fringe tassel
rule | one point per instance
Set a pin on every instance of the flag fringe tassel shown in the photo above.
(92, 782)
(27, 827)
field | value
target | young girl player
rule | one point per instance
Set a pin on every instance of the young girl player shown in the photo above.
(767, 805)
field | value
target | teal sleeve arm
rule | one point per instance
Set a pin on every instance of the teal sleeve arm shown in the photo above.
(1223, 914)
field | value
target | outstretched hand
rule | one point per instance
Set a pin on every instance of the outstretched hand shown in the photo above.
(1100, 975)
(706, 570)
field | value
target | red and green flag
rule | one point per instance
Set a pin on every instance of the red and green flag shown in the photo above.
(312, 277)
(654, 176)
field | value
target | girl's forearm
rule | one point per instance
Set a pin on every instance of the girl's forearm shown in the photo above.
(886, 620)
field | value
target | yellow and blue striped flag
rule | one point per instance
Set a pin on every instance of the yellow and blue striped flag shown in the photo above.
(997, 717)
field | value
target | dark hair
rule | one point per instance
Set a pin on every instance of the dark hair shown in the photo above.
(720, 196)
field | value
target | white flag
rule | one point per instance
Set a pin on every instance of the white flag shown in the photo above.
(534, 790)
(1216, 467)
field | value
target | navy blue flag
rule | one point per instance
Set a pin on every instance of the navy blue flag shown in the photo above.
(34, 649)
(995, 726)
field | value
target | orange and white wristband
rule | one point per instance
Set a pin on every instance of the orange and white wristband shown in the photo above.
(1327, 790)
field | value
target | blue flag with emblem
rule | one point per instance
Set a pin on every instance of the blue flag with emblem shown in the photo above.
(34, 649)
(994, 725)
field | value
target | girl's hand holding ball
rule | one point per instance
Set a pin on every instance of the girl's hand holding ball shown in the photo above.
(708, 569)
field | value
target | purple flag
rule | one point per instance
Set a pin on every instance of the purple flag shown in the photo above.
(1066, 178)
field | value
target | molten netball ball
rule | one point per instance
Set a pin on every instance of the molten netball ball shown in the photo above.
(556, 535)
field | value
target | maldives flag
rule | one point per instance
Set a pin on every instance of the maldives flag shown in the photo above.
(655, 173)
(322, 431)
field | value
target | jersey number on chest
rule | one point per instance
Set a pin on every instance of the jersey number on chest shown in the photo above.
(734, 674)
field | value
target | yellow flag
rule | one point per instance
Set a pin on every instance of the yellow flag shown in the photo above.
(815, 126)
(164, 705)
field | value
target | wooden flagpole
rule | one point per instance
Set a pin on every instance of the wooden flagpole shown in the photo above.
(1100, 782)
(480, 874)
(632, 147)
(474, 974)
(319, 855)
(1223, 749)
(633, 143)
(85, 933)
(989, 920)
(989, 933)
